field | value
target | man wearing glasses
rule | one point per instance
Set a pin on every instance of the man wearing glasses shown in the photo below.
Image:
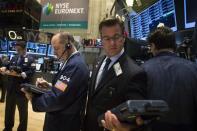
(115, 78)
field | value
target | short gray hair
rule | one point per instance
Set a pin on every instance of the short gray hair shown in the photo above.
(66, 38)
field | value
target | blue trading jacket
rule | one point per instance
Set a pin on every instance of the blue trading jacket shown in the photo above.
(25, 65)
(63, 104)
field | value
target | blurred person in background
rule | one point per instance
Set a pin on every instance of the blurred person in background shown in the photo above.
(19, 70)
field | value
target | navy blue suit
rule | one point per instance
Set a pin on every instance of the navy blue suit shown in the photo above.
(63, 104)
(25, 64)
(174, 80)
(113, 90)
(14, 94)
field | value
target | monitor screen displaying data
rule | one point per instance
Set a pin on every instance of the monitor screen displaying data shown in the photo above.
(145, 21)
(36, 48)
(190, 12)
(50, 51)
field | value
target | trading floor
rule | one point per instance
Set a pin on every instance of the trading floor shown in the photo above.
(35, 120)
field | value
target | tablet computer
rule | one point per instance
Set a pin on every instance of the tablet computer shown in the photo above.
(147, 109)
(34, 89)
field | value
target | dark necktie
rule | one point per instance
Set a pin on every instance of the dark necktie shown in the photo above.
(105, 69)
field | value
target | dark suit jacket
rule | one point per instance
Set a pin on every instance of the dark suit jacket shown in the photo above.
(25, 65)
(113, 90)
(174, 80)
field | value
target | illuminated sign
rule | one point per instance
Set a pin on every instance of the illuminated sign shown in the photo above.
(10, 7)
(11, 11)
(28, 35)
(64, 14)
(14, 35)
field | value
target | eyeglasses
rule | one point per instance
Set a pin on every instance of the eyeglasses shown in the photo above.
(114, 38)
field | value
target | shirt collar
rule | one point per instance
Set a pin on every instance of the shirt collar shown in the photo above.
(116, 57)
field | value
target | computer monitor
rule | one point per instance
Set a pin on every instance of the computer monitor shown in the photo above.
(31, 47)
(190, 13)
(39, 63)
(146, 20)
(40, 60)
(11, 45)
(36, 48)
(50, 51)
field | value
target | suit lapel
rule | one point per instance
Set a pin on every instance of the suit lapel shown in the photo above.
(110, 75)
(94, 75)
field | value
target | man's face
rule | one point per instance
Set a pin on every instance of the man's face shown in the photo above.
(19, 50)
(58, 47)
(112, 40)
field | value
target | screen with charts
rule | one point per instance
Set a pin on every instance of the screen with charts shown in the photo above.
(39, 63)
(36, 48)
(190, 12)
(11, 46)
(40, 60)
(146, 20)
(50, 51)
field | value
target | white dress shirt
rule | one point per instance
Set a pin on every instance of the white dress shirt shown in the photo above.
(113, 60)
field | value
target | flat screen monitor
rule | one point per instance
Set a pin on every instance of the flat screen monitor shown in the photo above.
(11, 45)
(40, 60)
(50, 50)
(145, 21)
(190, 13)
(36, 48)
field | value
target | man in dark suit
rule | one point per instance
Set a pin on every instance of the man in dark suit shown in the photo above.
(19, 71)
(115, 79)
(66, 96)
(172, 79)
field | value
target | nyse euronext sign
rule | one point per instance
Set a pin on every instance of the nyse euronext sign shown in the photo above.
(64, 14)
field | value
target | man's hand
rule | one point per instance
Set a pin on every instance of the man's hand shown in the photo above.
(3, 70)
(28, 95)
(112, 123)
(41, 83)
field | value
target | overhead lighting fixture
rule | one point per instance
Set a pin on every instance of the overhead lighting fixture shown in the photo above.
(129, 2)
